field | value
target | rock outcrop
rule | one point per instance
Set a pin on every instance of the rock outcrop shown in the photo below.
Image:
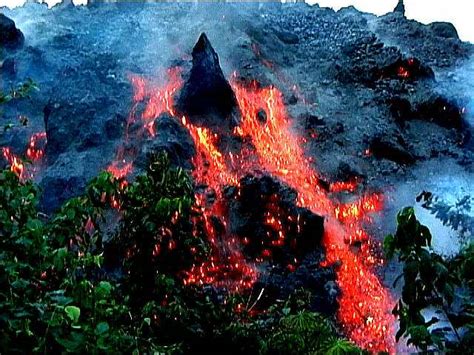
(10, 36)
(207, 97)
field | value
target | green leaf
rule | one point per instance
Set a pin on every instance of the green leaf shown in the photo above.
(103, 290)
(73, 313)
(101, 328)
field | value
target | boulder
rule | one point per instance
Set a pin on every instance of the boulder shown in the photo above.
(250, 207)
(287, 37)
(391, 148)
(441, 111)
(172, 138)
(410, 69)
(10, 36)
(444, 29)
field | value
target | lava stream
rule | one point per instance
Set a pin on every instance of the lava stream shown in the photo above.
(365, 305)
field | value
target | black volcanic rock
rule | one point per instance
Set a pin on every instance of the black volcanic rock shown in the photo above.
(441, 111)
(10, 36)
(172, 138)
(444, 29)
(406, 69)
(436, 109)
(259, 197)
(391, 148)
(207, 97)
(400, 7)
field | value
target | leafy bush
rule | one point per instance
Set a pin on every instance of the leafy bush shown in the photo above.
(431, 283)
(63, 289)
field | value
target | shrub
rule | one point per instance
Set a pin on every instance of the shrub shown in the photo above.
(431, 282)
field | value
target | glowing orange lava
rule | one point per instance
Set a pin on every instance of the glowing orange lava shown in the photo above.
(16, 164)
(365, 305)
(158, 99)
(34, 152)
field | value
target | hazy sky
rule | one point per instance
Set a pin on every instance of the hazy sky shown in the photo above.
(459, 12)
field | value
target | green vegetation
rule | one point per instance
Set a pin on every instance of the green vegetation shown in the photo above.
(58, 293)
(432, 284)
(21, 91)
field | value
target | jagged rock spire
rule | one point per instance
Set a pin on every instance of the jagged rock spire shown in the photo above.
(400, 7)
(206, 92)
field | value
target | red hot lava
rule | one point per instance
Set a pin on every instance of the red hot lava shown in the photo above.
(365, 305)
(34, 152)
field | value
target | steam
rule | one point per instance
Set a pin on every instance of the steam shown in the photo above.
(446, 180)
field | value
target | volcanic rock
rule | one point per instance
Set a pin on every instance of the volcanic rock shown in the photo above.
(347, 170)
(440, 111)
(262, 116)
(400, 7)
(400, 108)
(207, 97)
(172, 138)
(391, 148)
(61, 136)
(278, 283)
(8, 68)
(260, 197)
(287, 37)
(436, 109)
(311, 120)
(60, 188)
(10, 36)
(114, 126)
(407, 69)
(444, 29)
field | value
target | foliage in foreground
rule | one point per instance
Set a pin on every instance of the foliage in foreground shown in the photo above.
(57, 293)
(432, 285)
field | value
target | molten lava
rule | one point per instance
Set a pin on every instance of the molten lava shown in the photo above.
(365, 305)
(34, 152)
(16, 164)
(159, 99)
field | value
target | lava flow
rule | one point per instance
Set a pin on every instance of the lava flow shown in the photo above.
(159, 99)
(365, 305)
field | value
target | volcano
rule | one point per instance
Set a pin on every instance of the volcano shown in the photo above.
(297, 139)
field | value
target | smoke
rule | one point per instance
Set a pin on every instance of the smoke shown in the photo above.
(447, 181)
(457, 12)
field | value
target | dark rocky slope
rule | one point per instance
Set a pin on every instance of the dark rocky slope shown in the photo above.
(360, 81)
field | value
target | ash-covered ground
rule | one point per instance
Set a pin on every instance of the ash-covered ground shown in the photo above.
(383, 99)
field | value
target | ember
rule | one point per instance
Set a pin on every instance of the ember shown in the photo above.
(16, 164)
(34, 152)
